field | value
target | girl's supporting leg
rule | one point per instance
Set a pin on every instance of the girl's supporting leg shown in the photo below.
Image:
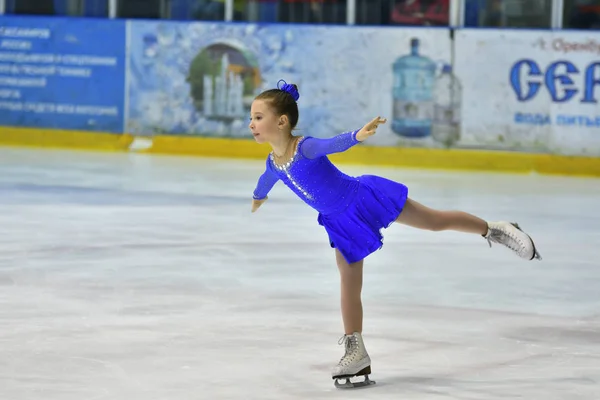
(356, 360)
(351, 287)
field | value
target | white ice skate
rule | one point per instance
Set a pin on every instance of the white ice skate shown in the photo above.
(510, 235)
(355, 362)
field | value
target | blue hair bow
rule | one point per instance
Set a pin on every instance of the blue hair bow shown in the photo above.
(286, 87)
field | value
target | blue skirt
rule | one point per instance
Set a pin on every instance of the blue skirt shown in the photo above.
(356, 231)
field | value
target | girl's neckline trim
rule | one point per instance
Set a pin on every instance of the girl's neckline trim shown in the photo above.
(289, 162)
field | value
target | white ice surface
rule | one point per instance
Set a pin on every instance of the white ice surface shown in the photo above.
(126, 277)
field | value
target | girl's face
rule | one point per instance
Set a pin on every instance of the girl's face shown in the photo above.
(264, 124)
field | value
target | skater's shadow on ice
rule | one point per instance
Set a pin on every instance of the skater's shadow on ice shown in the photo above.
(482, 389)
(420, 384)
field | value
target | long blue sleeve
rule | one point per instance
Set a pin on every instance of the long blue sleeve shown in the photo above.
(315, 147)
(265, 183)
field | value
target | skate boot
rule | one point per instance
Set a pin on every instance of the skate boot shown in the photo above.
(355, 362)
(510, 235)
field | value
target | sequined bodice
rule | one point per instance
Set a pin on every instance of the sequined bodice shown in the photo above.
(313, 178)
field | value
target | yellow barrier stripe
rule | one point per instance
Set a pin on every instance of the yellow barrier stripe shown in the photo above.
(443, 159)
(57, 138)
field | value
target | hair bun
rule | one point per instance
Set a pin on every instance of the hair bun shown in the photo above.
(289, 88)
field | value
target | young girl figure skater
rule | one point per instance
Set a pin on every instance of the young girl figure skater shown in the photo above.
(352, 210)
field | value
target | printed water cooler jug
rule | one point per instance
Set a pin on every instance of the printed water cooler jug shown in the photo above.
(414, 77)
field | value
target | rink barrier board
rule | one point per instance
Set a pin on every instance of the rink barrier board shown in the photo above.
(450, 159)
(445, 159)
(67, 139)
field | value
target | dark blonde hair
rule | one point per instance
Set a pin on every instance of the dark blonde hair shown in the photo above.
(283, 101)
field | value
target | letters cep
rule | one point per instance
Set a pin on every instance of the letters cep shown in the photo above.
(526, 79)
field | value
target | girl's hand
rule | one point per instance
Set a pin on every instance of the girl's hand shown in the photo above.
(257, 203)
(369, 129)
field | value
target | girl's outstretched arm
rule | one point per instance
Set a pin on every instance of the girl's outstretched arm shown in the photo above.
(314, 147)
(264, 185)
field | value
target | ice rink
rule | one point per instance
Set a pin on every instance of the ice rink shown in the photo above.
(137, 277)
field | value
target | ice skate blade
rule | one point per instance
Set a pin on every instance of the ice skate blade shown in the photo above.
(348, 384)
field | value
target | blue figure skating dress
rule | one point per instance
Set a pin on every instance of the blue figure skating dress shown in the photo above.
(353, 210)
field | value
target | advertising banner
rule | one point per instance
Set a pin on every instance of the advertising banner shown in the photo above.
(530, 90)
(200, 78)
(62, 73)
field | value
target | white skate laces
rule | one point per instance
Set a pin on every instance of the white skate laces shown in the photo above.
(511, 236)
(355, 362)
(355, 358)
(352, 349)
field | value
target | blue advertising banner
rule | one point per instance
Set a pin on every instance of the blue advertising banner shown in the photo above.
(62, 73)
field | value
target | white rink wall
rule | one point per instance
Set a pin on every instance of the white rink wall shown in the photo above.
(525, 91)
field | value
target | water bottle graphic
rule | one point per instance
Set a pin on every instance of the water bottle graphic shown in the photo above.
(447, 94)
(414, 76)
